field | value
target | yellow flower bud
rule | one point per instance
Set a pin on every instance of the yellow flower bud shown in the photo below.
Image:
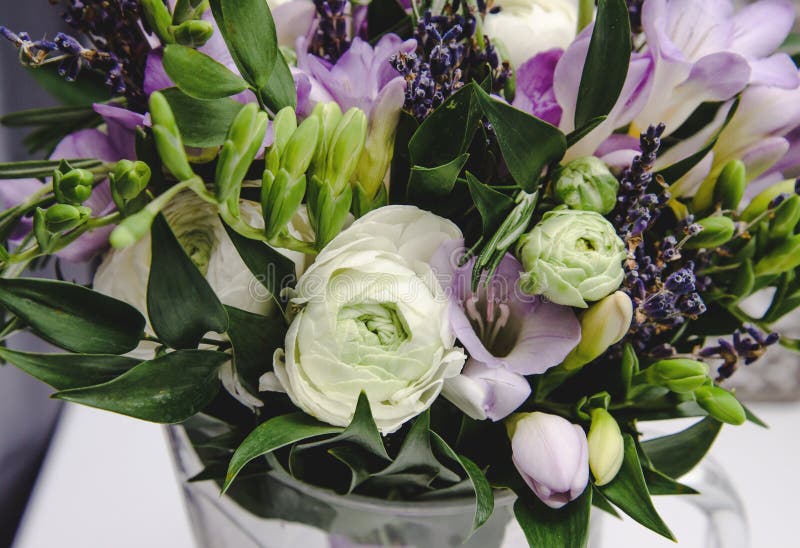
(606, 447)
(603, 324)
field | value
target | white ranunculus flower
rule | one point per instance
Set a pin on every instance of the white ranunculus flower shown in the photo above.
(372, 317)
(528, 27)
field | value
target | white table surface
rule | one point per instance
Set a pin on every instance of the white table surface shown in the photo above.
(108, 482)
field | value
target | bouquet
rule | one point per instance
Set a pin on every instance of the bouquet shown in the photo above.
(413, 249)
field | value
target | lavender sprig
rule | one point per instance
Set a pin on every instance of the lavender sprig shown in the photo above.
(747, 345)
(330, 40)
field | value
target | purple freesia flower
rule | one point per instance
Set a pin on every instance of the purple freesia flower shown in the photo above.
(535, 94)
(508, 334)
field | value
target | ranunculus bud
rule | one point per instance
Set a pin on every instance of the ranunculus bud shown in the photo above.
(606, 447)
(586, 183)
(129, 179)
(679, 375)
(783, 258)
(604, 324)
(729, 190)
(64, 217)
(72, 186)
(720, 404)
(551, 454)
(572, 257)
(194, 33)
(717, 230)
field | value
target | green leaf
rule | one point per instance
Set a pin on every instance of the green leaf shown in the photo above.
(492, 204)
(181, 305)
(566, 527)
(578, 134)
(168, 389)
(63, 371)
(48, 116)
(606, 62)
(431, 183)
(661, 484)
(600, 501)
(275, 433)
(198, 75)
(628, 491)
(280, 90)
(516, 131)
(249, 30)
(675, 455)
(484, 496)
(752, 417)
(416, 455)
(447, 133)
(385, 16)
(90, 88)
(361, 431)
(272, 269)
(73, 317)
(202, 123)
(41, 168)
(356, 460)
(254, 339)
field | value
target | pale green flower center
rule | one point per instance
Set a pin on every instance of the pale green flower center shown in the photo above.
(378, 325)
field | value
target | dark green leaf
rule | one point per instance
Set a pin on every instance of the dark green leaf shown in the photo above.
(361, 431)
(484, 496)
(47, 116)
(600, 501)
(516, 132)
(90, 88)
(676, 454)
(661, 484)
(606, 62)
(41, 168)
(578, 134)
(356, 460)
(432, 183)
(272, 269)
(280, 90)
(181, 305)
(274, 434)
(416, 455)
(447, 133)
(254, 339)
(202, 123)
(753, 418)
(629, 493)
(249, 30)
(73, 317)
(384, 16)
(200, 76)
(546, 527)
(168, 389)
(63, 371)
(492, 205)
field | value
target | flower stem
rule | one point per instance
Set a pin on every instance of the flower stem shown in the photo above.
(585, 13)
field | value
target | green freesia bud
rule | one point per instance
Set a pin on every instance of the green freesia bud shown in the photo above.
(345, 149)
(606, 447)
(281, 195)
(572, 257)
(40, 231)
(761, 202)
(379, 146)
(785, 257)
(720, 404)
(363, 203)
(193, 33)
(129, 179)
(602, 325)
(787, 215)
(717, 230)
(64, 217)
(158, 18)
(132, 229)
(679, 375)
(168, 138)
(245, 137)
(729, 190)
(72, 187)
(745, 280)
(328, 210)
(283, 127)
(300, 148)
(587, 184)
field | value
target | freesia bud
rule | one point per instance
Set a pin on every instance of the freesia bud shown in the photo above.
(283, 126)
(762, 201)
(729, 190)
(73, 186)
(603, 324)
(552, 456)
(193, 33)
(606, 447)
(328, 211)
(281, 196)
(129, 179)
(64, 217)
(784, 258)
(300, 148)
(717, 230)
(679, 375)
(345, 149)
(720, 404)
(245, 137)
(168, 138)
(785, 219)
(587, 183)
(483, 392)
(132, 229)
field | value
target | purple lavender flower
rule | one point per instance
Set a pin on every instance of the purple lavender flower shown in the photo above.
(507, 333)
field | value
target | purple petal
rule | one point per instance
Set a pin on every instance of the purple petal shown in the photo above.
(484, 392)
(761, 27)
(121, 124)
(86, 143)
(777, 70)
(87, 246)
(292, 19)
(14, 192)
(535, 93)
(155, 77)
(763, 155)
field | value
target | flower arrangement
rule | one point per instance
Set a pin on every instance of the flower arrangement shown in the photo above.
(409, 249)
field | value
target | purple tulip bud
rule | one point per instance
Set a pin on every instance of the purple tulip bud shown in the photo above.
(552, 456)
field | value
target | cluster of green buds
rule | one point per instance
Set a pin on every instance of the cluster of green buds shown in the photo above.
(128, 181)
(71, 188)
(183, 26)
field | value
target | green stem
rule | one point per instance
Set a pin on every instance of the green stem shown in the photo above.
(585, 13)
